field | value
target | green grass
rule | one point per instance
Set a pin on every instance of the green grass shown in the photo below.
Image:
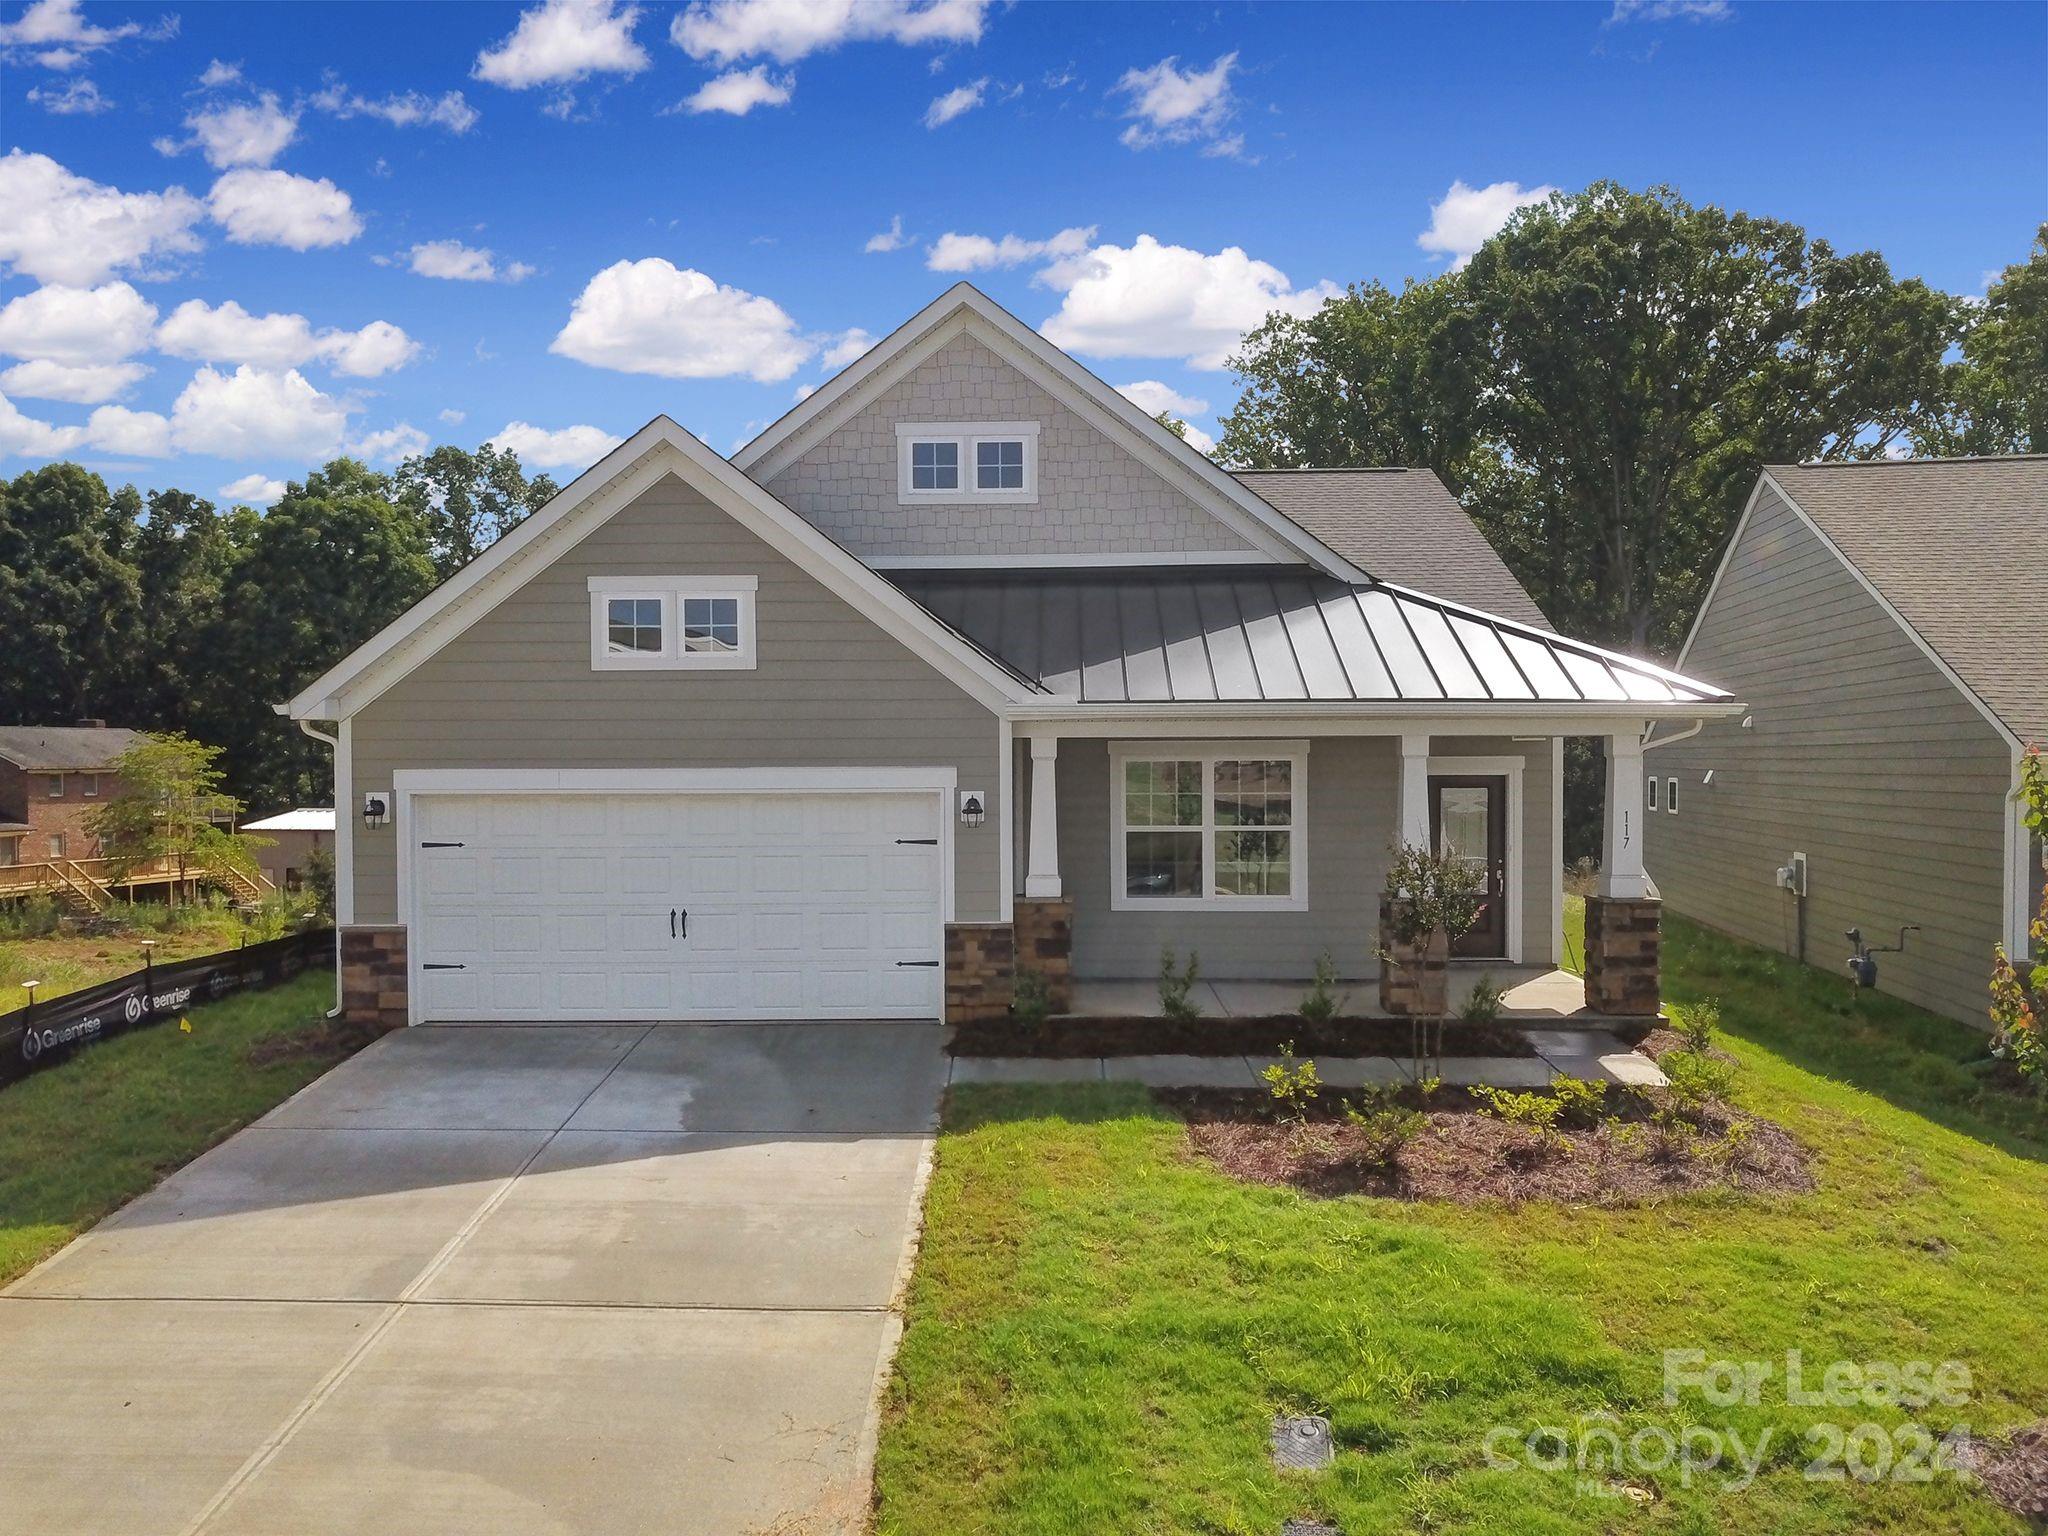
(1100, 1328)
(30, 949)
(83, 1137)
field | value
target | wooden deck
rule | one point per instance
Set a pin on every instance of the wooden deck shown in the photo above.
(87, 885)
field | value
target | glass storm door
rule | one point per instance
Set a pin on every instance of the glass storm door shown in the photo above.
(1468, 819)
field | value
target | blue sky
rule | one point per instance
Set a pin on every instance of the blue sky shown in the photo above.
(1141, 181)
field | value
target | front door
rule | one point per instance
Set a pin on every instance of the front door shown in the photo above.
(1468, 819)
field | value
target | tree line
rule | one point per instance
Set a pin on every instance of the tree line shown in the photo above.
(163, 611)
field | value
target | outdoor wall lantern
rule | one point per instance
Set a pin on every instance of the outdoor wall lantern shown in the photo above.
(376, 809)
(972, 808)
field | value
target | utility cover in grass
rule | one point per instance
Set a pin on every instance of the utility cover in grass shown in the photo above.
(1302, 1444)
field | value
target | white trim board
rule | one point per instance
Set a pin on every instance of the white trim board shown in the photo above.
(964, 309)
(1511, 769)
(1136, 559)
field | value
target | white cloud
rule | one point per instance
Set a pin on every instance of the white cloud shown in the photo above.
(256, 413)
(739, 91)
(1197, 439)
(1153, 397)
(564, 448)
(228, 333)
(218, 74)
(253, 490)
(978, 253)
(77, 326)
(890, 239)
(851, 346)
(59, 37)
(652, 317)
(465, 263)
(237, 133)
(406, 109)
(957, 102)
(138, 434)
(77, 383)
(72, 98)
(278, 208)
(33, 439)
(1465, 218)
(562, 41)
(787, 30)
(391, 444)
(62, 228)
(1172, 106)
(1153, 300)
(1669, 10)
(453, 417)
(804, 392)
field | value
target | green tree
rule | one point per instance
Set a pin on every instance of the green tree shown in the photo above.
(1998, 391)
(186, 552)
(170, 806)
(70, 596)
(469, 500)
(335, 560)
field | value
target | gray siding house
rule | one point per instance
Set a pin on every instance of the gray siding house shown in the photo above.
(964, 665)
(1887, 626)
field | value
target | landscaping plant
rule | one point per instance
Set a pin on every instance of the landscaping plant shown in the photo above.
(1535, 1113)
(1320, 1003)
(1483, 1005)
(1176, 984)
(2019, 989)
(1384, 1125)
(1294, 1084)
(1031, 999)
(1698, 1022)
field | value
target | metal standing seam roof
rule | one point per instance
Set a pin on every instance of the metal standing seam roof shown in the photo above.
(304, 819)
(1259, 633)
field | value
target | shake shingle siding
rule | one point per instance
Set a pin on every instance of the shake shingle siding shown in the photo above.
(1862, 755)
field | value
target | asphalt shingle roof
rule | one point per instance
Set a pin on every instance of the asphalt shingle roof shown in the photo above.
(64, 748)
(1403, 527)
(1960, 548)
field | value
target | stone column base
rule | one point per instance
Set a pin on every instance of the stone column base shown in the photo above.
(981, 971)
(1623, 969)
(1045, 944)
(373, 970)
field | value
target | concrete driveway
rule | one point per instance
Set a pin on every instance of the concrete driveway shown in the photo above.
(500, 1280)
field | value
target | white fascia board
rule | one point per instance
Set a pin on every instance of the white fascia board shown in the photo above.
(1136, 558)
(1060, 375)
(658, 449)
(1602, 718)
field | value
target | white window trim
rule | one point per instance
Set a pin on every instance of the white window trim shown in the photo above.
(1671, 797)
(669, 591)
(54, 790)
(966, 435)
(1209, 753)
(1653, 793)
(90, 787)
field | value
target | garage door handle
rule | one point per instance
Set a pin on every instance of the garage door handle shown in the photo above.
(673, 914)
(933, 964)
(430, 966)
(928, 842)
(443, 845)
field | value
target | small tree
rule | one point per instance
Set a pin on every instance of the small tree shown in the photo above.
(2019, 989)
(170, 806)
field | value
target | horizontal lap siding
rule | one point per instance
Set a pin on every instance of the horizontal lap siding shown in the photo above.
(1353, 813)
(1862, 755)
(832, 689)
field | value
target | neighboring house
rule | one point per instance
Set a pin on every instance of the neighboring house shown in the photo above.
(293, 836)
(963, 664)
(52, 777)
(1887, 624)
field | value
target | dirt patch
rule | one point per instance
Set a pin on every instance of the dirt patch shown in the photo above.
(2014, 1470)
(1228, 1037)
(1658, 1042)
(1469, 1158)
(331, 1039)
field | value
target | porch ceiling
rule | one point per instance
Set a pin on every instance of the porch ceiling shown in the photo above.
(1254, 634)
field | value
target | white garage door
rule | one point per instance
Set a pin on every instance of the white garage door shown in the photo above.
(677, 906)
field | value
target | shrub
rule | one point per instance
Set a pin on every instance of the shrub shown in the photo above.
(1483, 1006)
(1294, 1084)
(1384, 1125)
(1580, 1102)
(1031, 999)
(35, 918)
(2019, 988)
(1175, 985)
(1428, 891)
(1699, 1022)
(318, 876)
(1697, 1081)
(1535, 1113)
(1320, 1004)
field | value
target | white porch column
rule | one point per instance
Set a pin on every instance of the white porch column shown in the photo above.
(1621, 848)
(1415, 791)
(1042, 866)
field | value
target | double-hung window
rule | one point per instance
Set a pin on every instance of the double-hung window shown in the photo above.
(671, 623)
(967, 461)
(1201, 825)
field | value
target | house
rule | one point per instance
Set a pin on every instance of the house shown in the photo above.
(1887, 625)
(52, 777)
(963, 665)
(293, 837)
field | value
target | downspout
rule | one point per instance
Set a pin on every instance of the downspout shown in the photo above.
(334, 746)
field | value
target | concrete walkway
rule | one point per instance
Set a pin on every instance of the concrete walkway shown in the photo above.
(1533, 994)
(1592, 1055)
(501, 1281)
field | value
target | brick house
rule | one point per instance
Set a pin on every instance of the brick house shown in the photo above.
(52, 777)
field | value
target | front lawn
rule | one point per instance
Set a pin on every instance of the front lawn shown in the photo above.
(85, 1136)
(1102, 1326)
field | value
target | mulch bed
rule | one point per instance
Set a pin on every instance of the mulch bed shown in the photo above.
(1228, 1037)
(329, 1037)
(1470, 1159)
(2014, 1470)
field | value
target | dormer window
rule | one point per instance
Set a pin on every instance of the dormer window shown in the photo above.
(967, 461)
